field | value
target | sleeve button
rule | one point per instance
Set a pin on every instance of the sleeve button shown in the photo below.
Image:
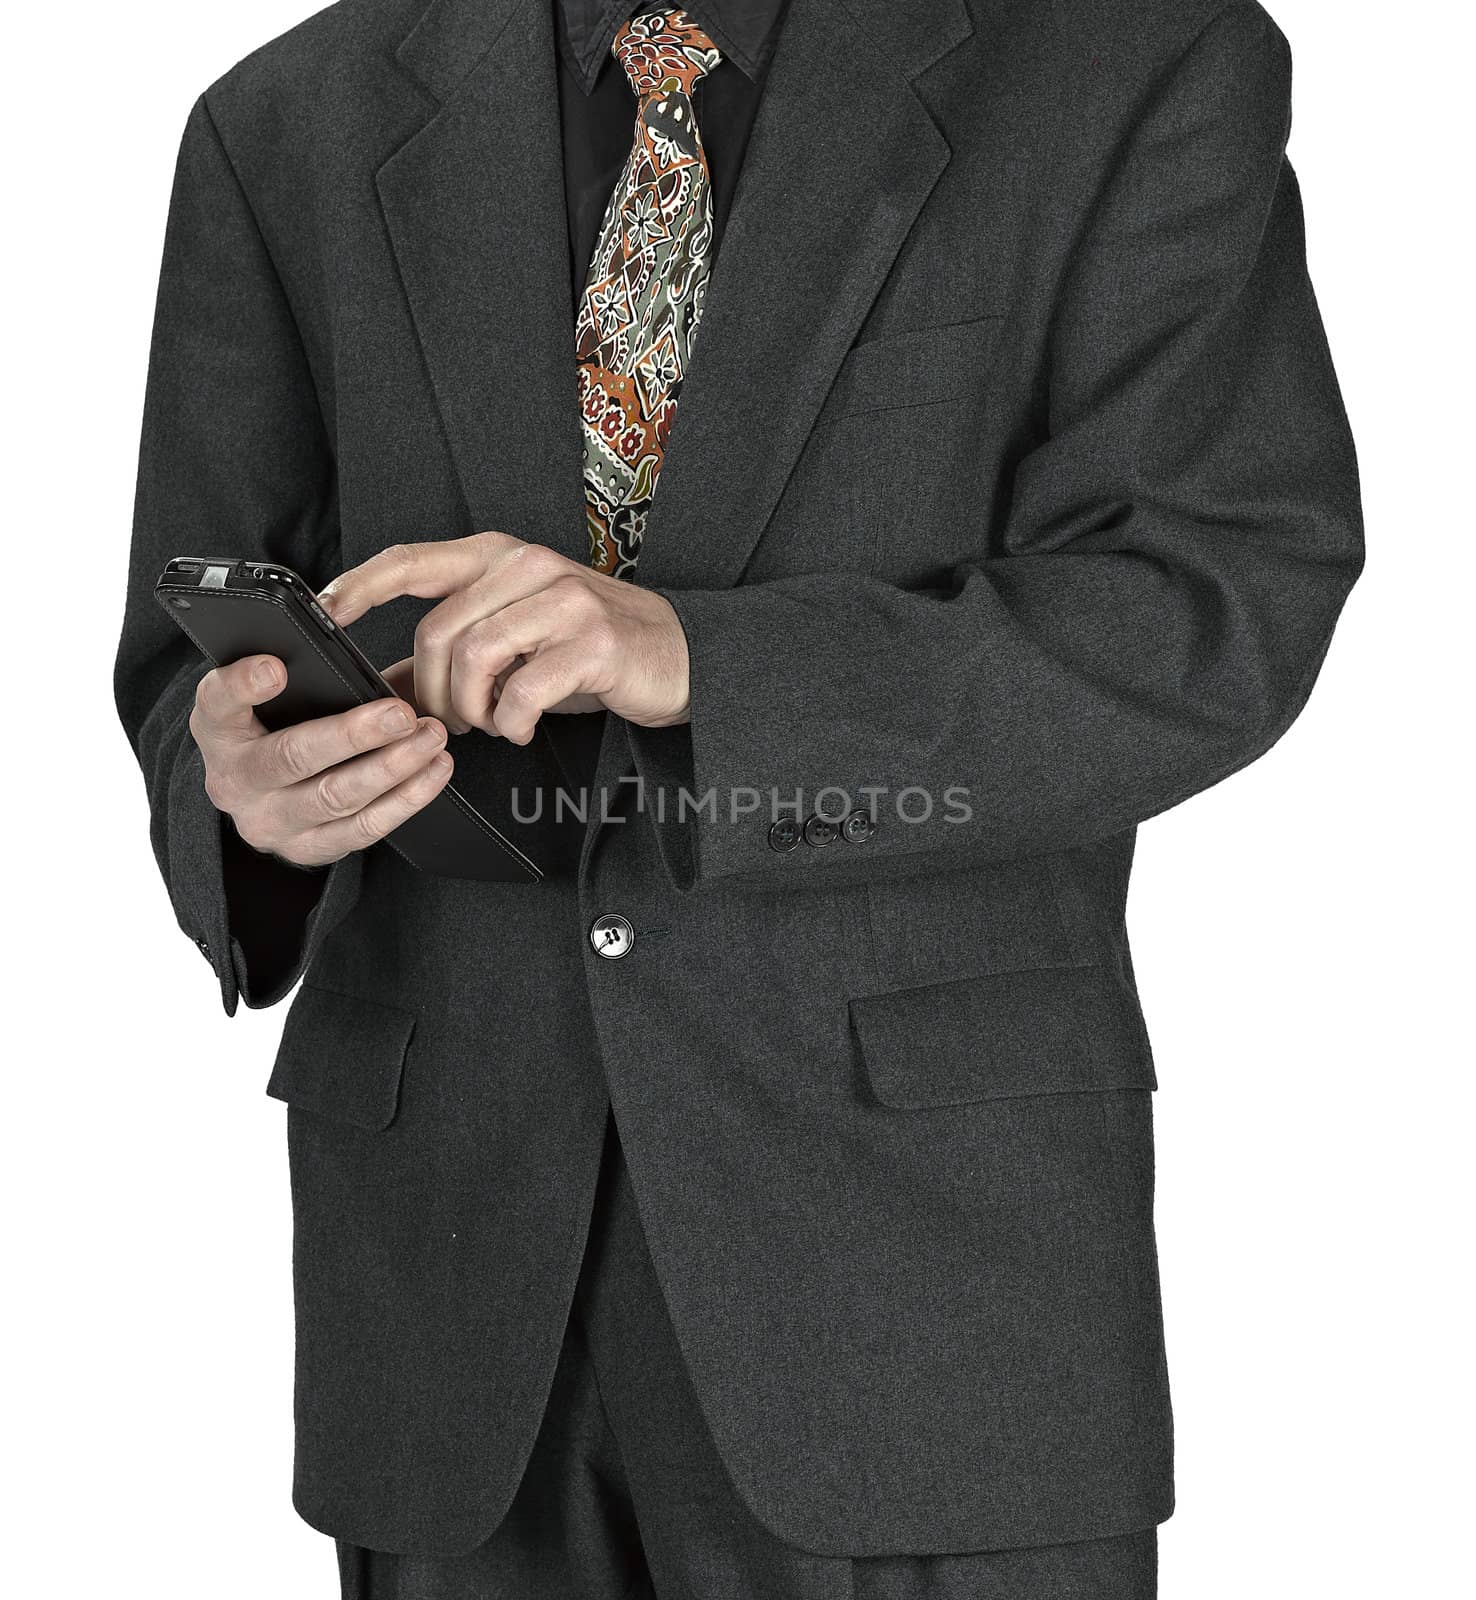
(858, 827)
(819, 832)
(784, 835)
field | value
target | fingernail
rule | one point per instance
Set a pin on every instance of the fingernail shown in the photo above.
(442, 763)
(431, 731)
(328, 599)
(396, 720)
(263, 675)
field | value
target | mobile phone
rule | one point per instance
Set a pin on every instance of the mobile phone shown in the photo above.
(233, 607)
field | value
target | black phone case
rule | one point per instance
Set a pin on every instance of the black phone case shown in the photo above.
(232, 608)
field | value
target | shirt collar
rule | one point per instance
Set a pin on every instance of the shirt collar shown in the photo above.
(743, 30)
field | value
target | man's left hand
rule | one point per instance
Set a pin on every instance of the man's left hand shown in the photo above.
(522, 630)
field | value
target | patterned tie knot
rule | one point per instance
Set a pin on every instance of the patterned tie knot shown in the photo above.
(664, 50)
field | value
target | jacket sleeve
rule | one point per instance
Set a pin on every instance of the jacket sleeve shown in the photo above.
(234, 460)
(1176, 551)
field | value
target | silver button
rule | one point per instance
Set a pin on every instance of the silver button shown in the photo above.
(612, 937)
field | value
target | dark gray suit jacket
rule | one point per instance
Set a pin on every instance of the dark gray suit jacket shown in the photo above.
(1011, 460)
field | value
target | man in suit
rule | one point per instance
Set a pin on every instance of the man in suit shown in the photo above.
(883, 453)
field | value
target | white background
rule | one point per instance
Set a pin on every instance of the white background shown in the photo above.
(1302, 932)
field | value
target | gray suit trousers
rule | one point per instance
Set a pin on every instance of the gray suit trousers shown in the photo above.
(625, 1498)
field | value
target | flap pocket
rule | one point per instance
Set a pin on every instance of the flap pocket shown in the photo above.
(1055, 1031)
(911, 369)
(341, 1056)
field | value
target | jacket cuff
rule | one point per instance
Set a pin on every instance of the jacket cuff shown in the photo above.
(197, 887)
(773, 778)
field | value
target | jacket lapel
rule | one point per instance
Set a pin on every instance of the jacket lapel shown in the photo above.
(474, 205)
(842, 156)
(841, 159)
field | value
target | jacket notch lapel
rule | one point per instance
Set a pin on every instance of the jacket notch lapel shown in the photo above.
(474, 205)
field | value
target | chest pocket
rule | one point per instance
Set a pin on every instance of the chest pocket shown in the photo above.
(889, 482)
(927, 366)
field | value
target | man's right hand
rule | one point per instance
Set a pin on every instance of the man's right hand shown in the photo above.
(318, 791)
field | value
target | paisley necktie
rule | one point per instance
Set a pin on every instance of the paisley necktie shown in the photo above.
(642, 301)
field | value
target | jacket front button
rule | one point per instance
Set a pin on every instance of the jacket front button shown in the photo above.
(612, 937)
(820, 832)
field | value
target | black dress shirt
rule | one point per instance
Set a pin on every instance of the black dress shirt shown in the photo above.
(598, 107)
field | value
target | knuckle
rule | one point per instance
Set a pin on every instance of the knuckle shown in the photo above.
(431, 634)
(365, 828)
(270, 817)
(599, 638)
(220, 791)
(473, 711)
(544, 564)
(404, 761)
(212, 697)
(480, 644)
(426, 782)
(580, 604)
(520, 692)
(254, 826)
(329, 797)
(294, 760)
(396, 763)
(364, 727)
